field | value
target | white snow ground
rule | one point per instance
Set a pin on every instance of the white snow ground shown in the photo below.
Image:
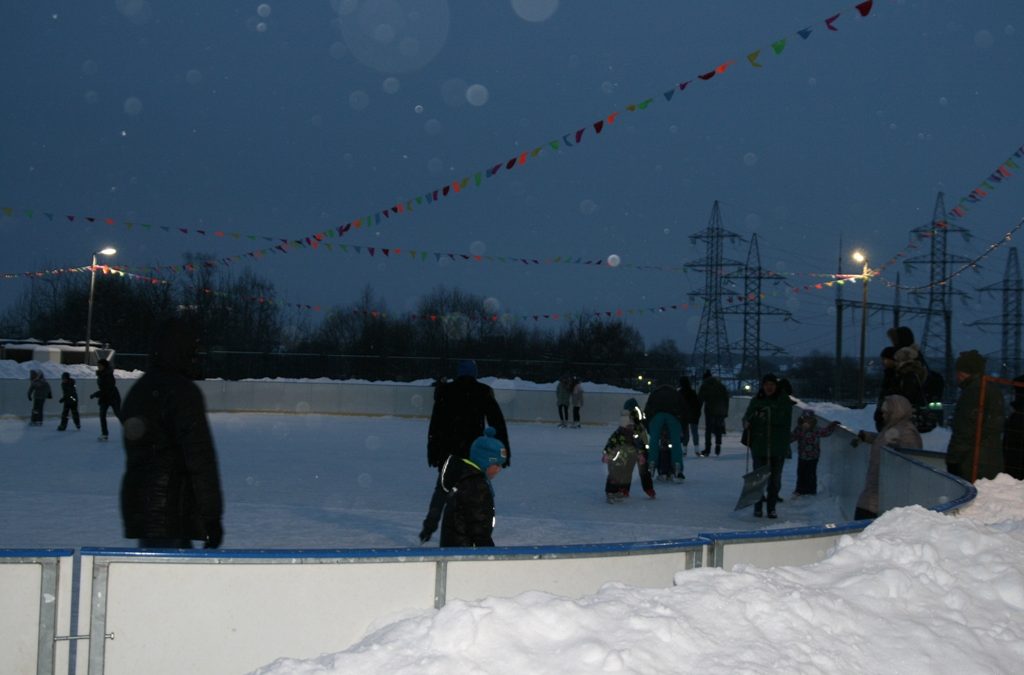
(917, 592)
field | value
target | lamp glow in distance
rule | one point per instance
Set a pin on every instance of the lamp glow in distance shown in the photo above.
(858, 256)
(92, 291)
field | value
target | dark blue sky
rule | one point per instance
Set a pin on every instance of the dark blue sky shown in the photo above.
(285, 119)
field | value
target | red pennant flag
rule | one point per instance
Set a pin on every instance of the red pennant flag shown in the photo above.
(708, 75)
(598, 126)
(579, 134)
(831, 20)
(865, 7)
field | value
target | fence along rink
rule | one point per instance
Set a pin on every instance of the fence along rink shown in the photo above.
(241, 609)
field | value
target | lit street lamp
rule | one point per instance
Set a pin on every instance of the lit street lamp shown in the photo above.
(859, 256)
(92, 290)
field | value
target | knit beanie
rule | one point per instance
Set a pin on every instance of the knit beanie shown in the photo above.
(487, 450)
(466, 368)
(770, 377)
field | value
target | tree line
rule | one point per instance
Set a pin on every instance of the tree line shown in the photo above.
(246, 333)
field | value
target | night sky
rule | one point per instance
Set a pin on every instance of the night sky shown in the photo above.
(273, 122)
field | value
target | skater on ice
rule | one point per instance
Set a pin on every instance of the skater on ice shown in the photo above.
(469, 515)
(625, 449)
(69, 397)
(38, 391)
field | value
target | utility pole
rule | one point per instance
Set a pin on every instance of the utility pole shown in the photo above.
(753, 308)
(711, 351)
(1010, 320)
(937, 339)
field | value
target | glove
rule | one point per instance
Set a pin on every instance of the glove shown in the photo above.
(95, 395)
(214, 534)
(61, 400)
(425, 534)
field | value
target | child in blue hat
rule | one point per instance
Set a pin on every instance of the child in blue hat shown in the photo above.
(469, 514)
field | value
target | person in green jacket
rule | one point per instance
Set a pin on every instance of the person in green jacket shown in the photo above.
(970, 366)
(769, 418)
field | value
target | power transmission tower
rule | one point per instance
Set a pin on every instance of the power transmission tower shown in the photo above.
(1010, 321)
(937, 340)
(753, 308)
(711, 351)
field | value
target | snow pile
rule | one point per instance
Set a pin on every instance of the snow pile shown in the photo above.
(917, 592)
(12, 370)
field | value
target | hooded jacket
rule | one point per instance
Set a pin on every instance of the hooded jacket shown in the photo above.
(898, 431)
(171, 485)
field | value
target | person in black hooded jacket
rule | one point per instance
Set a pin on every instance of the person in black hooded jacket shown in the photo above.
(170, 493)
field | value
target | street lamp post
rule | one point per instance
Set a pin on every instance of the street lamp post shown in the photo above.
(858, 256)
(92, 291)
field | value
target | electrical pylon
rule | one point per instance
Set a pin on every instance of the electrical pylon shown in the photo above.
(752, 307)
(937, 340)
(711, 351)
(1010, 321)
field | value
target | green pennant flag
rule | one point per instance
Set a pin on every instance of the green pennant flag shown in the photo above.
(778, 46)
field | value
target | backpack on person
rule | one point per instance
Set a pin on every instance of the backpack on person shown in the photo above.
(928, 416)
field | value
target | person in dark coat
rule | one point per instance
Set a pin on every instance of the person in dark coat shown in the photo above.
(769, 417)
(69, 397)
(661, 412)
(108, 395)
(170, 493)
(961, 451)
(462, 409)
(1013, 434)
(715, 398)
(469, 515)
(38, 391)
(689, 416)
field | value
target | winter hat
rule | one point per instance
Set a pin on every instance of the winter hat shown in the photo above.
(684, 382)
(901, 336)
(487, 450)
(888, 353)
(706, 375)
(808, 416)
(466, 368)
(633, 409)
(770, 377)
(970, 362)
(65, 376)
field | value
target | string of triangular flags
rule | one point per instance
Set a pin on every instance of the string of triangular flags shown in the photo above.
(480, 177)
(958, 211)
(988, 185)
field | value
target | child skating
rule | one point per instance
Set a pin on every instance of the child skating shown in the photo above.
(627, 447)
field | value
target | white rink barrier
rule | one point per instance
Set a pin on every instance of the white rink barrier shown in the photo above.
(232, 611)
(35, 610)
(198, 612)
(350, 398)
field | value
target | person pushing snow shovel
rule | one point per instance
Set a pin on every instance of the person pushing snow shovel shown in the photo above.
(767, 425)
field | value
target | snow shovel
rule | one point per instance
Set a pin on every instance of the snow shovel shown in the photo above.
(753, 482)
(753, 486)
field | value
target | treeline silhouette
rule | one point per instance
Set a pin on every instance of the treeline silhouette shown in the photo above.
(247, 332)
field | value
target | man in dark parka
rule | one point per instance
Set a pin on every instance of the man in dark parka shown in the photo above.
(170, 493)
(970, 367)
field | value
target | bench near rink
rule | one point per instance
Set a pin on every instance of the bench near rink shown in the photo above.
(121, 610)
